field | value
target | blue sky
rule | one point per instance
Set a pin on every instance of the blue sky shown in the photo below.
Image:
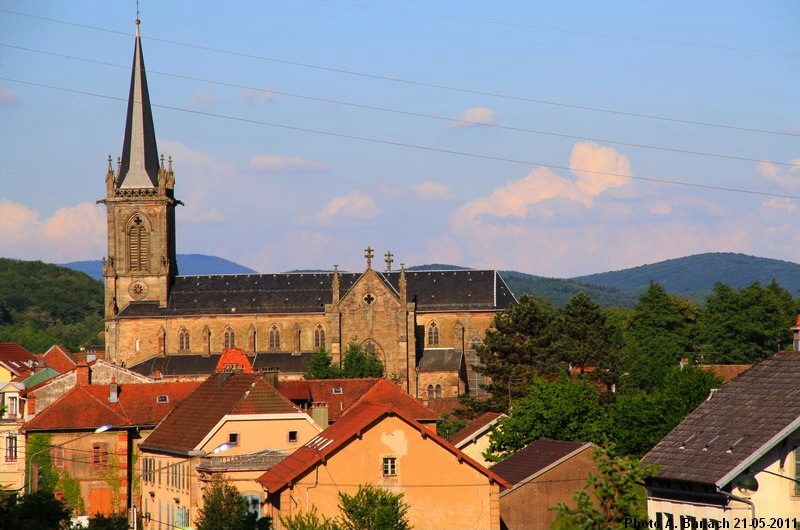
(553, 138)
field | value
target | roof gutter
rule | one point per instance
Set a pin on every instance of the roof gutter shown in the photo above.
(740, 499)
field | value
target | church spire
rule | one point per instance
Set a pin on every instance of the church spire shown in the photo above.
(139, 168)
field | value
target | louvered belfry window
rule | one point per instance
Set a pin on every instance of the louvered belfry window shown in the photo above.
(138, 245)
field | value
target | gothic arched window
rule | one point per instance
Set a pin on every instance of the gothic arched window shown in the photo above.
(319, 337)
(274, 338)
(183, 338)
(439, 391)
(138, 245)
(433, 334)
(230, 338)
(430, 391)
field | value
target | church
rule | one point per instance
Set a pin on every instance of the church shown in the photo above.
(423, 325)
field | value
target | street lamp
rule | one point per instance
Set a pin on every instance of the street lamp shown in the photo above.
(98, 430)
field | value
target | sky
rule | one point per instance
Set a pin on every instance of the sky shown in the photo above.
(551, 138)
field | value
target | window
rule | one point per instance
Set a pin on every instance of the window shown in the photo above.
(162, 399)
(319, 337)
(183, 516)
(230, 341)
(149, 469)
(13, 407)
(438, 391)
(274, 338)
(99, 454)
(430, 391)
(293, 437)
(433, 334)
(184, 339)
(11, 447)
(58, 458)
(390, 467)
(233, 438)
(337, 390)
(138, 245)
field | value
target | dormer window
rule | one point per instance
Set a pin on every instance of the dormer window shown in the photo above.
(162, 399)
(338, 390)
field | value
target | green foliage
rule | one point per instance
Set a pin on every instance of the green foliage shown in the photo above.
(561, 290)
(320, 367)
(43, 304)
(608, 498)
(111, 475)
(449, 425)
(747, 325)
(360, 362)
(373, 508)
(71, 489)
(37, 452)
(40, 510)
(516, 350)
(224, 508)
(562, 410)
(309, 521)
(111, 522)
(658, 335)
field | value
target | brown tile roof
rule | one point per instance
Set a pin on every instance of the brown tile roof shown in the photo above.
(328, 442)
(476, 427)
(535, 458)
(88, 407)
(735, 426)
(442, 406)
(59, 359)
(15, 357)
(384, 392)
(216, 397)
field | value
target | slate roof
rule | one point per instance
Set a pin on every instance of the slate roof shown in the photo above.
(441, 360)
(733, 428)
(536, 458)
(308, 292)
(476, 427)
(219, 395)
(88, 407)
(15, 358)
(349, 427)
(198, 364)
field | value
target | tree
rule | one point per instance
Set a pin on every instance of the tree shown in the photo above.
(583, 339)
(658, 335)
(224, 508)
(747, 325)
(320, 366)
(39, 510)
(608, 498)
(562, 410)
(111, 522)
(518, 348)
(360, 362)
(373, 508)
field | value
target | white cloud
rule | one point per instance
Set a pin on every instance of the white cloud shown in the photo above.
(474, 116)
(252, 97)
(787, 205)
(282, 163)
(7, 96)
(787, 178)
(432, 191)
(354, 205)
(70, 234)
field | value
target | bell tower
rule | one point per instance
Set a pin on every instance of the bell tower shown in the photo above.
(140, 209)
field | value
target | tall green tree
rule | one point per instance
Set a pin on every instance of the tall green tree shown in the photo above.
(566, 409)
(609, 497)
(583, 339)
(320, 366)
(358, 361)
(224, 508)
(658, 335)
(518, 348)
(747, 325)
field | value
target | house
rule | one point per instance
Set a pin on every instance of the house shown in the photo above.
(12, 442)
(735, 457)
(14, 360)
(442, 373)
(90, 434)
(329, 399)
(473, 438)
(237, 411)
(542, 474)
(383, 446)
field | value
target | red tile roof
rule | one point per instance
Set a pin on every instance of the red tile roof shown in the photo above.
(59, 359)
(476, 427)
(218, 396)
(233, 358)
(88, 407)
(534, 458)
(359, 419)
(15, 357)
(384, 392)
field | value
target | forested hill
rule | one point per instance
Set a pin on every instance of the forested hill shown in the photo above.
(43, 304)
(699, 273)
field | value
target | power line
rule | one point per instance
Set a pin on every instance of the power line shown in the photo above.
(422, 83)
(416, 146)
(409, 113)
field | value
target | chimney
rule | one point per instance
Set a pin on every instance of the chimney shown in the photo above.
(83, 374)
(319, 413)
(796, 331)
(31, 406)
(271, 375)
(222, 378)
(113, 391)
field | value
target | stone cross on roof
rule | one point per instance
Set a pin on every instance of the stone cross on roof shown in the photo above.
(389, 261)
(369, 253)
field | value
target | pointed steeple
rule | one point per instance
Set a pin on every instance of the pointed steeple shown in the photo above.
(139, 168)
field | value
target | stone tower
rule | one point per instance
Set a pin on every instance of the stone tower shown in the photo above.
(140, 206)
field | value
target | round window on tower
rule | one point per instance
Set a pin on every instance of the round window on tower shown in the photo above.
(138, 290)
